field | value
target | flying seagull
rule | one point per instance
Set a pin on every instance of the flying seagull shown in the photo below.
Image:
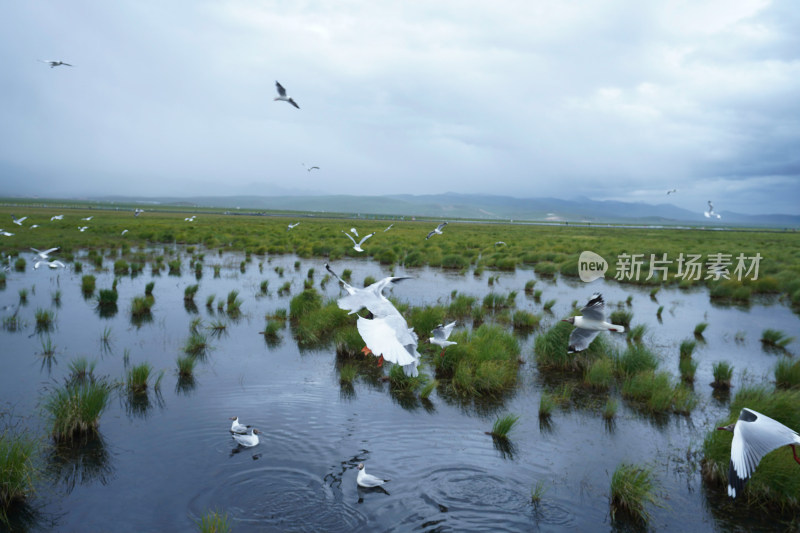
(754, 436)
(34, 226)
(671, 191)
(357, 245)
(124, 232)
(43, 255)
(437, 231)
(282, 95)
(387, 229)
(312, 168)
(5, 233)
(248, 440)
(587, 326)
(354, 231)
(54, 63)
(441, 334)
(56, 217)
(18, 221)
(137, 212)
(237, 427)
(83, 228)
(370, 297)
(498, 243)
(190, 219)
(710, 213)
(52, 264)
(88, 218)
(292, 226)
(368, 480)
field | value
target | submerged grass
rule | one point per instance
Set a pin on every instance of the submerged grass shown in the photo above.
(186, 366)
(633, 487)
(137, 377)
(776, 338)
(213, 522)
(503, 425)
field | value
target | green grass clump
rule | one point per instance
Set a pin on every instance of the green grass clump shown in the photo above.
(529, 285)
(787, 374)
(137, 377)
(196, 345)
(107, 298)
(546, 405)
(632, 489)
(523, 320)
(776, 338)
(610, 409)
(503, 425)
(461, 306)
(174, 267)
(775, 483)
(621, 317)
(537, 492)
(141, 306)
(148, 289)
(548, 305)
(369, 280)
(304, 303)
(600, 375)
(546, 269)
(272, 329)
(425, 319)
(484, 362)
(455, 262)
(19, 264)
(88, 284)
(498, 301)
(121, 267)
(186, 366)
(75, 408)
(687, 348)
(213, 522)
(264, 287)
(550, 349)
(44, 319)
(19, 471)
(636, 358)
(81, 370)
(189, 292)
(23, 296)
(428, 389)
(348, 373)
(234, 303)
(700, 328)
(403, 384)
(723, 372)
(687, 367)
(636, 333)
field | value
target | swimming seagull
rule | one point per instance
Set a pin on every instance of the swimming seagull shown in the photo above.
(387, 229)
(43, 255)
(18, 221)
(282, 95)
(671, 191)
(236, 427)
(587, 326)
(248, 440)
(83, 228)
(710, 213)
(437, 231)
(368, 480)
(441, 334)
(754, 436)
(54, 63)
(292, 226)
(56, 217)
(354, 231)
(357, 245)
(52, 264)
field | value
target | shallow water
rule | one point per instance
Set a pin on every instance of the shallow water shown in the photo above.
(161, 463)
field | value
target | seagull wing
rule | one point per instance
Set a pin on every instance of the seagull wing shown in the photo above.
(57, 263)
(431, 234)
(365, 238)
(50, 250)
(448, 329)
(381, 337)
(441, 226)
(294, 103)
(349, 237)
(754, 436)
(580, 339)
(595, 309)
(281, 90)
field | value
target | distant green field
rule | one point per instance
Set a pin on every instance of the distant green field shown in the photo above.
(549, 250)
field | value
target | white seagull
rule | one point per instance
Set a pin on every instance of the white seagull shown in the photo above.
(370, 297)
(368, 480)
(83, 228)
(710, 213)
(54, 63)
(56, 217)
(18, 221)
(137, 212)
(236, 427)
(5, 233)
(124, 232)
(441, 334)
(282, 95)
(190, 219)
(52, 264)
(357, 245)
(587, 326)
(248, 440)
(387, 229)
(354, 231)
(671, 191)
(43, 255)
(292, 226)
(88, 218)
(498, 243)
(437, 231)
(34, 226)
(754, 436)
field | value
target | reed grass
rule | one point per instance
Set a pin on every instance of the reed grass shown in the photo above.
(546, 405)
(700, 328)
(775, 338)
(610, 409)
(529, 285)
(210, 301)
(348, 373)
(550, 349)
(548, 305)
(636, 333)
(503, 425)
(285, 289)
(186, 366)
(600, 375)
(723, 372)
(81, 370)
(107, 298)
(537, 492)
(659, 311)
(424, 319)
(23, 296)
(196, 345)
(148, 288)
(233, 302)
(19, 469)
(633, 488)
(523, 320)
(428, 389)
(272, 329)
(687, 368)
(44, 319)
(214, 522)
(141, 306)
(137, 376)
(636, 358)
(189, 292)
(88, 284)
(787, 374)
(687, 348)
(621, 317)
(461, 306)
(48, 348)
(75, 407)
(19, 264)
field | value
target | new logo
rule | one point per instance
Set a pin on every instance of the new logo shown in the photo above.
(591, 266)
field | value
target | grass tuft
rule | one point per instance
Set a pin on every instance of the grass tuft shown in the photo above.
(75, 408)
(775, 338)
(503, 425)
(213, 522)
(787, 374)
(632, 489)
(723, 372)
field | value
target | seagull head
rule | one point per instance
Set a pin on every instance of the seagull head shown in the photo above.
(234, 418)
(571, 320)
(729, 427)
(361, 466)
(256, 432)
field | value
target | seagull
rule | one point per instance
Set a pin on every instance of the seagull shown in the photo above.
(190, 219)
(124, 232)
(368, 480)
(56, 217)
(236, 427)
(370, 297)
(437, 231)
(387, 229)
(440, 335)
(18, 221)
(590, 324)
(357, 245)
(43, 255)
(83, 228)
(311, 168)
(498, 243)
(88, 218)
(34, 226)
(282, 95)
(54, 63)
(5, 233)
(292, 226)
(52, 264)
(137, 212)
(710, 213)
(671, 191)
(354, 231)
(754, 436)
(248, 440)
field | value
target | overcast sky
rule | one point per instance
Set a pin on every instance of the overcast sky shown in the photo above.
(599, 99)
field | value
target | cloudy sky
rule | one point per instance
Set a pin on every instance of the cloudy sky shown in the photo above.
(599, 99)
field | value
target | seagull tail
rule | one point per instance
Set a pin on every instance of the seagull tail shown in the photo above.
(618, 329)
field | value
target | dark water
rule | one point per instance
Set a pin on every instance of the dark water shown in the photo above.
(161, 463)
